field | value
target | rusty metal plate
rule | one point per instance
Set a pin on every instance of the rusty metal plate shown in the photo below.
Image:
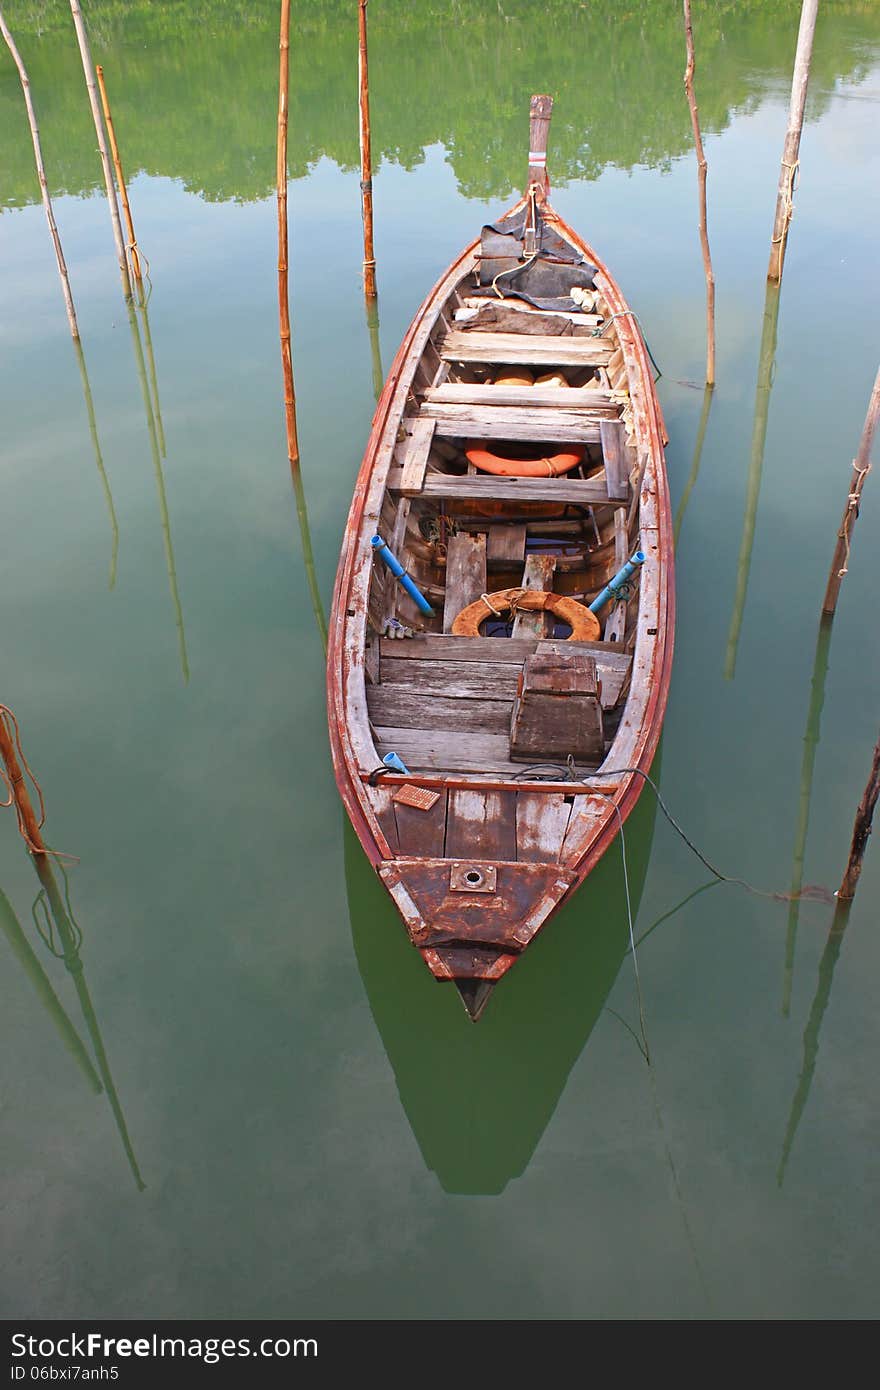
(418, 797)
(472, 878)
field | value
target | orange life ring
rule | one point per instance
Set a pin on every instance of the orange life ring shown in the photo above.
(584, 624)
(509, 466)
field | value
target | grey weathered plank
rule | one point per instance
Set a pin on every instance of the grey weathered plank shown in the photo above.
(534, 349)
(589, 492)
(541, 823)
(538, 574)
(459, 680)
(615, 624)
(513, 422)
(437, 749)
(405, 706)
(465, 574)
(481, 825)
(614, 454)
(597, 402)
(506, 546)
(436, 647)
(415, 461)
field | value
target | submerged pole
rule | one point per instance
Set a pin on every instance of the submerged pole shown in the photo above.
(160, 489)
(763, 389)
(372, 306)
(861, 830)
(302, 515)
(281, 183)
(99, 458)
(695, 464)
(861, 468)
(366, 154)
(120, 179)
(41, 175)
(89, 71)
(789, 166)
(812, 734)
(702, 172)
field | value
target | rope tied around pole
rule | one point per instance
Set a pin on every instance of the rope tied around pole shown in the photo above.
(793, 170)
(852, 512)
(13, 734)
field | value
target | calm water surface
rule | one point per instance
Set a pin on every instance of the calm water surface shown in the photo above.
(292, 1118)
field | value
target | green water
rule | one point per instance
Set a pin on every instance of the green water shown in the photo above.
(318, 1129)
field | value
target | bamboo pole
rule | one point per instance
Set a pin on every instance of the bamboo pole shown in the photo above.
(41, 175)
(789, 165)
(702, 172)
(281, 183)
(764, 386)
(89, 71)
(861, 831)
(154, 382)
(861, 468)
(120, 180)
(366, 154)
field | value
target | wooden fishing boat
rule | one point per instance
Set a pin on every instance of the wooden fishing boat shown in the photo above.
(514, 466)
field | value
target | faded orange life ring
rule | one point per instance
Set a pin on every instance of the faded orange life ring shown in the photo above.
(584, 624)
(509, 466)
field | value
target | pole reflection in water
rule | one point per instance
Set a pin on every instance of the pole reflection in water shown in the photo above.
(29, 961)
(766, 360)
(160, 488)
(99, 458)
(812, 734)
(479, 1096)
(708, 393)
(62, 936)
(812, 1030)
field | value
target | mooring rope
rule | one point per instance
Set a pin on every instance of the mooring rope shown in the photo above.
(788, 204)
(10, 723)
(852, 512)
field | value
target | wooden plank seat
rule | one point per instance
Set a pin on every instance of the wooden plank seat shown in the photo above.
(451, 750)
(485, 668)
(526, 349)
(587, 398)
(455, 421)
(588, 492)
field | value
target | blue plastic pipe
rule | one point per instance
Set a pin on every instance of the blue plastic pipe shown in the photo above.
(615, 585)
(395, 763)
(400, 573)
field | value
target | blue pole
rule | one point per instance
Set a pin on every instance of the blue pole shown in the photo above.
(614, 585)
(400, 573)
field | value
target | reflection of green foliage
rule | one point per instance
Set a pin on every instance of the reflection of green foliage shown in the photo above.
(193, 84)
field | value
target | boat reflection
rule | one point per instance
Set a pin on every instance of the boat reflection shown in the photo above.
(61, 935)
(479, 1097)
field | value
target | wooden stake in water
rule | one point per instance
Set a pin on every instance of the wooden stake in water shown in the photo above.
(41, 175)
(789, 165)
(281, 182)
(89, 70)
(861, 468)
(366, 154)
(120, 179)
(702, 171)
(861, 831)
